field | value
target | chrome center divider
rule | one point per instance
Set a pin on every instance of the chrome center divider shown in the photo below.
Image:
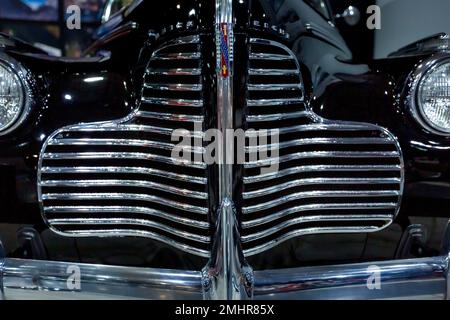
(227, 275)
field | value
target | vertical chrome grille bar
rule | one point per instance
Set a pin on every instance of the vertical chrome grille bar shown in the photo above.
(227, 275)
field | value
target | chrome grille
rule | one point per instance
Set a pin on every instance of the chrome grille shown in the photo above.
(118, 178)
(333, 177)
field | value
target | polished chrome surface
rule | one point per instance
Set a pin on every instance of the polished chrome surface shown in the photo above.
(415, 80)
(333, 177)
(227, 275)
(28, 279)
(399, 279)
(118, 178)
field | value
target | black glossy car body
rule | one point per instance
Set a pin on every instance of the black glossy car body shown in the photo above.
(336, 88)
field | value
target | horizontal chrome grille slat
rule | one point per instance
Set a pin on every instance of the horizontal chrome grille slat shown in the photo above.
(269, 56)
(124, 170)
(125, 221)
(320, 168)
(273, 102)
(98, 210)
(174, 87)
(316, 127)
(319, 181)
(309, 219)
(274, 87)
(170, 116)
(319, 141)
(277, 116)
(318, 207)
(272, 72)
(122, 155)
(309, 231)
(124, 196)
(177, 56)
(124, 183)
(139, 233)
(323, 154)
(194, 39)
(174, 72)
(122, 142)
(173, 102)
(321, 194)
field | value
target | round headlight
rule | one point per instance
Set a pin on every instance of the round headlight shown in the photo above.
(14, 94)
(431, 104)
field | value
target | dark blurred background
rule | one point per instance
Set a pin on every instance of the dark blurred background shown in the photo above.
(43, 23)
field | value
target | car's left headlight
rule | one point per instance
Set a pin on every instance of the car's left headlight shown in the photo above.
(14, 94)
(430, 99)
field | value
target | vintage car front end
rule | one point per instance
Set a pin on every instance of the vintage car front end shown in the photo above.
(224, 149)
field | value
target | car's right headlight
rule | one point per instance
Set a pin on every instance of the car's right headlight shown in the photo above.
(15, 95)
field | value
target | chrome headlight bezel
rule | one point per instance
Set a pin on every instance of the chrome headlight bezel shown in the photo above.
(22, 74)
(424, 69)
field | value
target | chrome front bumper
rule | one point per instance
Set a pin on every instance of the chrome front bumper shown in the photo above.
(400, 279)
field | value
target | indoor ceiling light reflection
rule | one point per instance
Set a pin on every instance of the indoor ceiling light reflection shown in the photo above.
(93, 79)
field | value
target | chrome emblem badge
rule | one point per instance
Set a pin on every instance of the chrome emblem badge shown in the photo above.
(225, 56)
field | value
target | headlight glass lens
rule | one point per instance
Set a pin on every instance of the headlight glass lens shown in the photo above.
(434, 98)
(11, 97)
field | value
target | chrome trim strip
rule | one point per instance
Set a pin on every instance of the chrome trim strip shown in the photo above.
(124, 196)
(122, 155)
(174, 87)
(174, 72)
(129, 128)
(303, 232)
(124, 183)
(320, 168)
(178, 56)
(127, 221)
(325, 154)
(120, 142)
(311, 141)
(273, 102)
(134, 233)
(194, 39)
(315, 207)
(317, 181)
(320, 194)
(319, 218)
(269, 56)
(126, 209)
(125, 170)
(173, 102)
(278, 116)
(272, 72)
(274, 87)
(170, 116)
(320, 127)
